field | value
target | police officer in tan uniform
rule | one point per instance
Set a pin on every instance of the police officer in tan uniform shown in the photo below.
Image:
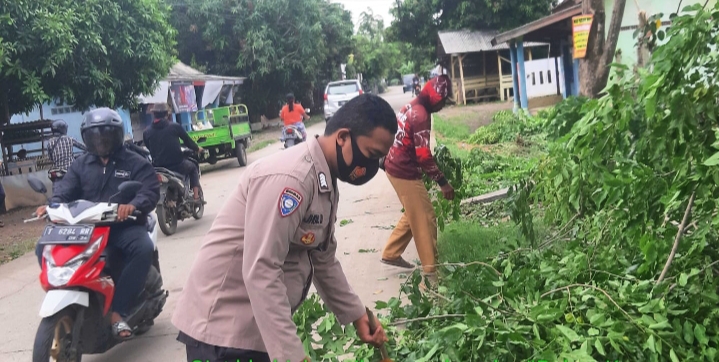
(274, 237)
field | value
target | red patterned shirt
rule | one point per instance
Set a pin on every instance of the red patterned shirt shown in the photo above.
(410, 154)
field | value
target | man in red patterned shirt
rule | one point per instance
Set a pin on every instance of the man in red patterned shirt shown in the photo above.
(409, 157)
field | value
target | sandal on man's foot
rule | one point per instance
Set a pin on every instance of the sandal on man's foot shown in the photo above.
(399, 262)
(120, 327)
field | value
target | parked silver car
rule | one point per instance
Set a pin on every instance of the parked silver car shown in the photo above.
(338, 93)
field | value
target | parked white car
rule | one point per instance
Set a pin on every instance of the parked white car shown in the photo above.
(338, 93)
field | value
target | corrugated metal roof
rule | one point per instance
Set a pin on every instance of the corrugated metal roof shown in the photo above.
(37, 124)
(183, 72)
(473, 41)
(538, 24)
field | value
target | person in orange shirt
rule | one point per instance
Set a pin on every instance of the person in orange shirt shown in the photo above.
(292, 113)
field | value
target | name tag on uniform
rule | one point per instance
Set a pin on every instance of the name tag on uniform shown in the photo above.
(313, 219)
(122, 174)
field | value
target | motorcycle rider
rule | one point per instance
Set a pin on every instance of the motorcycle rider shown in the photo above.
(96, 176)
(60, 146)
(162, 138)
(415, 83)
(292, 113)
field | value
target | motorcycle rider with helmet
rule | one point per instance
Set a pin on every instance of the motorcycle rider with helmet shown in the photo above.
(59, 149)
(292, 113)
(162, 138)
(96, 176)
(415, 84)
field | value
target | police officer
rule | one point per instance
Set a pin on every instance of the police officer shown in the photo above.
(95, 176)
(274, 237)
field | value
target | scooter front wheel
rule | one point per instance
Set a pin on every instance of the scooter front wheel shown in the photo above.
(54, 338)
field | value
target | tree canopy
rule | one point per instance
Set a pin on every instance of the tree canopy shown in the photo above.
(94, 52)
(418, 21)
(374, 56)
(280, 45)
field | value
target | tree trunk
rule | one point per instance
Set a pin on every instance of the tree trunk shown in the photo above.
(4, 108)
(594, 68)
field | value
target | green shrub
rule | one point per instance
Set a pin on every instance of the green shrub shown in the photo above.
(505, 127)
(561, 118)
(451, 128)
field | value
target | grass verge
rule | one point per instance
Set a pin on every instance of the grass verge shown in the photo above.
(15, 250)
(493, 156)
(260, 145)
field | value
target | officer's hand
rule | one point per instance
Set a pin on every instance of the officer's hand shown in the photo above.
(448, 191)
(362, 325)
(200, 150)
(40, 211)
(123, 211)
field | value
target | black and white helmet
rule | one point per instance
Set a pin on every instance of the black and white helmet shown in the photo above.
(102, 131)
(58, 128)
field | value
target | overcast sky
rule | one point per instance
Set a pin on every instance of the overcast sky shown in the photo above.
(379, 7)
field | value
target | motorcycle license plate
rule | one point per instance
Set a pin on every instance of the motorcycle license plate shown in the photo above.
(66, 234)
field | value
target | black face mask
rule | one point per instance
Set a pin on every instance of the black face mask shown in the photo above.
(362, 168)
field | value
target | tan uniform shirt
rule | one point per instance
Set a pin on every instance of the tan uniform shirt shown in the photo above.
(271, 239)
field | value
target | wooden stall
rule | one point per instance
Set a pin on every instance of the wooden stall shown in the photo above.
(479, 70)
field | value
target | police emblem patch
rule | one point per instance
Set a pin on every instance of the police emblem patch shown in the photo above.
(308, 238)
(290, 200)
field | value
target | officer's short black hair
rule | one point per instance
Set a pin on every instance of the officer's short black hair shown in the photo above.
(362, 115)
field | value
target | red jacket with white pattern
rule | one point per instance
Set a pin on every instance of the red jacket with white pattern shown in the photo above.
(410, 154)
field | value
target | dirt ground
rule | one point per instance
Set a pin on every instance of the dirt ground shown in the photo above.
(485, 111)
(17, 237)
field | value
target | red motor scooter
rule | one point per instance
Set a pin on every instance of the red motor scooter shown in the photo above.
(76, 308)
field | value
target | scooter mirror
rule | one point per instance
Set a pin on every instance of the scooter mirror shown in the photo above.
(37, 185)
(307, 110)
(130, 187)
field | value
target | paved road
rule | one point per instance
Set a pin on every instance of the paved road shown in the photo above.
(372, 208)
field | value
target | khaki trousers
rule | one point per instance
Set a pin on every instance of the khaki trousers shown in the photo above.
(418, 221)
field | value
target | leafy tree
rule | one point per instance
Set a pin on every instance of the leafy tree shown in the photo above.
(95, 52)
(374, 56)
(418, 21)
(280, 45)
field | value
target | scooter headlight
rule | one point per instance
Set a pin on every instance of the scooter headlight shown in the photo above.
(61, 275)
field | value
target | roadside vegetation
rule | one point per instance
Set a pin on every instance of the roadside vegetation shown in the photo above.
(606, 246)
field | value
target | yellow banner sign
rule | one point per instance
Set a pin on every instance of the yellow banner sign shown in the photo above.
(580, 31)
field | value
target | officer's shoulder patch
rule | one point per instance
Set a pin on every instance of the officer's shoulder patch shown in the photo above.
(323, 181)
(290, 200)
